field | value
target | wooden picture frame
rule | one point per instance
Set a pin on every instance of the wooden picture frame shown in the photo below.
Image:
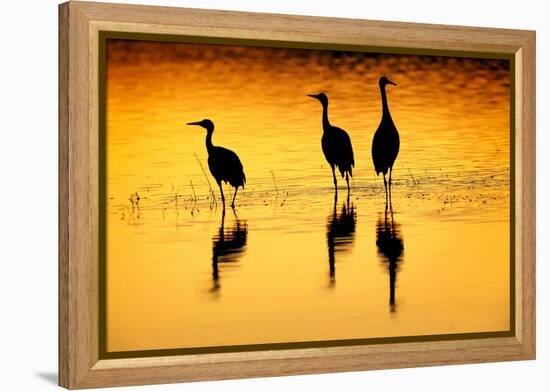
(80, 24)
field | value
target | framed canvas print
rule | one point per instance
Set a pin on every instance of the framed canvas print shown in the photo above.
(248, 195)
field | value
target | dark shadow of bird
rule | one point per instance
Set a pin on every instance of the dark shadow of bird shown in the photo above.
(385, 143)
(336, 145)
(390, 249)
(228, 245)
(340, 233)
(223, 163)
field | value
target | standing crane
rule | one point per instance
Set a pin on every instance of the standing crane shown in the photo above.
(336, 145)
(385, 143)
(223, 163)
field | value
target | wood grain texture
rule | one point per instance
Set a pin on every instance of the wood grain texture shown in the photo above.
(79, 25)
(64, 326)
(526, 186)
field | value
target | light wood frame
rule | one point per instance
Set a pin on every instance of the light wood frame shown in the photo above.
(79, 27)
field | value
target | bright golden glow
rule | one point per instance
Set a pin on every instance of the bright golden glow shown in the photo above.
(272, 281)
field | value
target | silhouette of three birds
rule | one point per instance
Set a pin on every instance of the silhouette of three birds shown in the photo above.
(225, 165)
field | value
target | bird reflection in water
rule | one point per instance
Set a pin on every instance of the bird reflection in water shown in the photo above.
(228, 245)
(390, 249)
(340, 233)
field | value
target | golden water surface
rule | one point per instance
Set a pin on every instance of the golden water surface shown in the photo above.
(292, 263)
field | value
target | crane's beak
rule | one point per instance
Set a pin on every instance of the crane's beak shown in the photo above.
(194, 123)
(391, 82)
(313, 96)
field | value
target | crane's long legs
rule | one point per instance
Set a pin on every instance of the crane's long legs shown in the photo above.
(234, 196)
(223, 197)
(347, 181)
(334, 179)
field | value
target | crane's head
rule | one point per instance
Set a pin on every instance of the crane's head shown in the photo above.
(384, 80)
(321, 98)
(205, 123)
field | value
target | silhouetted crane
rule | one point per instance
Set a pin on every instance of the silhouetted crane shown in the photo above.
(336, 145)
(224, 164)
(385, 143)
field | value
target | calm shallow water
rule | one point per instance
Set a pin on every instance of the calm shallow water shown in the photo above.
(293, 263)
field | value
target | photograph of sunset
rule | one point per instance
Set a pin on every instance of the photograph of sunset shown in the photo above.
(268, 195)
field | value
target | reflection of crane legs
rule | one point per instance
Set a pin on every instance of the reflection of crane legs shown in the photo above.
(393, 274)
(393, 245)
(392, 266)
(215, 273)
(389, 187)
(227, 246)
(386, 189)
(221, 191)
(331, 249)
(215, 270)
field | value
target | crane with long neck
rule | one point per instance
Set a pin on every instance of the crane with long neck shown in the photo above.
(336, 145)
(385, 143)
(224, 164)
